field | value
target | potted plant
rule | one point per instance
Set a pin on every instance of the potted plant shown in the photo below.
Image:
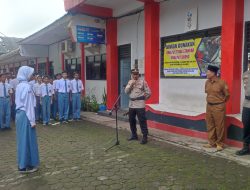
(102, 106)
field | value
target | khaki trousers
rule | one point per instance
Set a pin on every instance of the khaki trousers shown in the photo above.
(215, 120)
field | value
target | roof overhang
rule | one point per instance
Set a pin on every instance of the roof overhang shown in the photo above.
(103, 8)
(55, 32)
(12, 57)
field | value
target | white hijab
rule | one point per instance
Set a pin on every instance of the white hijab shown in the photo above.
(24, 73)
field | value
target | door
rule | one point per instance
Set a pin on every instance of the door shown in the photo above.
(124, 72)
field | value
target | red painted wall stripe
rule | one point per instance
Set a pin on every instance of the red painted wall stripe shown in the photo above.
(152, 44)
(112, 62)
(92, 10)
(232, 36)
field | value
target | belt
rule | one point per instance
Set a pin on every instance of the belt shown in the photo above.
(19, 108)
(213, 104)
(138, 98)
(247, 97)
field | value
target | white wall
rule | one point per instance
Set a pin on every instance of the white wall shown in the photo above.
(172, 15)
(55, 57)
(127, 34)
(186, 94)
(96, 87)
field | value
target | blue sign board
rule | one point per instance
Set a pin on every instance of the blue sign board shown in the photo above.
(86, 34)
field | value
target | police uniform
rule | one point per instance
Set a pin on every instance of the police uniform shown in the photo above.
(246, 116)
(217, 96)
(138, 92)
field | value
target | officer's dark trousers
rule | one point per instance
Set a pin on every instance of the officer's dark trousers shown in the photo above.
(141, 115)
(246, 124)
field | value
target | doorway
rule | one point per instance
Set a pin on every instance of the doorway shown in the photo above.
(124, 72)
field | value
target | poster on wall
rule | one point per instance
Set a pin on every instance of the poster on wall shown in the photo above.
(190, 58)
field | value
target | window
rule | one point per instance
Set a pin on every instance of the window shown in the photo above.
(73, 65)
(187, 55)
(96, 67)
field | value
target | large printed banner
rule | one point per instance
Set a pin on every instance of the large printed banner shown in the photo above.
(189, 58)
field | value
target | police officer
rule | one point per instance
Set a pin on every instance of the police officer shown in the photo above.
(138, 92)
(217, 96)
(246, 114)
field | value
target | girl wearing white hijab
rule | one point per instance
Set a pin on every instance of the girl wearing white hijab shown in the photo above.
(27, 148)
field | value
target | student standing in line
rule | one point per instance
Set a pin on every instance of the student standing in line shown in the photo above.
(5, 93)
(37, 91)
(27, 147)
(77, 88)
(46, 94)
(55, 97)
(63, 86)
(13, 82)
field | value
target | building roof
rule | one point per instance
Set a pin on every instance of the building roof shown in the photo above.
(8, 44)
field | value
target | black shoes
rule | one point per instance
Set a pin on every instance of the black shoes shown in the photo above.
(133, 138)
(144, 140)
(243, 151)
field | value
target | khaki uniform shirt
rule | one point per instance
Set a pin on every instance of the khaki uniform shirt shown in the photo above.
(139, 89)
(217, 91)
(246, 84)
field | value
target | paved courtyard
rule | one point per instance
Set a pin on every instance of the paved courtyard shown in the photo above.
(73, 156)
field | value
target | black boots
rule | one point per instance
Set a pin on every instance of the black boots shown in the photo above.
(133, 138)
(144, 140)
(244, 150)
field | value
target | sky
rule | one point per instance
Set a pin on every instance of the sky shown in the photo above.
(21, 18)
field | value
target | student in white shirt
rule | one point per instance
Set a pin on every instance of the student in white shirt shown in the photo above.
(46, 94)
(64, 87)
(13, 82)
(55, 97)
(27, 148)
(37, 91)
(5, 93)
(77, 88)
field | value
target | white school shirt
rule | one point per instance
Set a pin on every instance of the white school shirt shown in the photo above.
(74, 86)
(37, 89)
(7, 89)
(44, 91)
(60, 86)
(32, 82)
(14, 82)
(26, 101)
(54, 85)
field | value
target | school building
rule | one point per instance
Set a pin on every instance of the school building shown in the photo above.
(170, 41)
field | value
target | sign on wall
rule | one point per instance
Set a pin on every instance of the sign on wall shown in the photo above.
(86, 34)
(191, 20)
(190, 58)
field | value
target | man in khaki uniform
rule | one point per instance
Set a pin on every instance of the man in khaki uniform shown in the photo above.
(217, 96)
(138, 92)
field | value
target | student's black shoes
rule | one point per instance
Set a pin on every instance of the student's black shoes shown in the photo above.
(243, 151)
